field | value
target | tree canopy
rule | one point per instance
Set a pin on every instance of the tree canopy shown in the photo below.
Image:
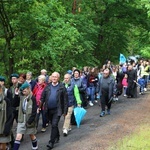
(59, 34)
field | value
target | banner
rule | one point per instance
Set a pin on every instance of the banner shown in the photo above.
(122, 59)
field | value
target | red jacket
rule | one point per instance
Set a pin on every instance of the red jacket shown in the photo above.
(37, 92)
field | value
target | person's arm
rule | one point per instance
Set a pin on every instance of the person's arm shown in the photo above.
(77, 95)
(9, 120)
(43, 97)
(34, 110)
(65, 94)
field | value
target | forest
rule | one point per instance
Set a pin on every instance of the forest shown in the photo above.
(59, 34)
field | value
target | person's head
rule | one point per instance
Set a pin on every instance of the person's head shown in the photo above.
(22, 78)
(14, 78)
(50, 79)
(130, 67)
(85, 68)
(28, 75)
(133, 64)
(67, 78)
(147, 63)
(101, 70)
(106, 73)
(125, 76)
(114, 68)
(41, 79)
(76, 73)
(44, 72)
(73, 68)
(2, 80)
(55, 77)
(25, 89)
(69, 72)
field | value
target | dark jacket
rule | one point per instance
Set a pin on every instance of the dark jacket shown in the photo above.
(111, 83)
(62, 99)
(9, 118)
(11, 96)
(32, 84)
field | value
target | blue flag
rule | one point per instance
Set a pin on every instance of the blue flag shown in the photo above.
(122, 59)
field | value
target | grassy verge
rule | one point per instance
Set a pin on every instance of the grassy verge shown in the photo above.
(139, 140)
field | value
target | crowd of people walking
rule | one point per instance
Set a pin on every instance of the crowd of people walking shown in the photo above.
(27, 98)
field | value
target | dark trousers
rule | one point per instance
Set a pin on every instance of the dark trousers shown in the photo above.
(54, 120)
(15, 114)
(44, 121)
(105, 101)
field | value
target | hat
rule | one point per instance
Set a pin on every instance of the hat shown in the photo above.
(14, 75)
(69, 72)
(77, 71)
(2, 78)
(24, 86)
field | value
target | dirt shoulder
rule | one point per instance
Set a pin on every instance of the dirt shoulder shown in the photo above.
(96, 133)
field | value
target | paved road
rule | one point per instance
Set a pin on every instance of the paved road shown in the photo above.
(92, 126)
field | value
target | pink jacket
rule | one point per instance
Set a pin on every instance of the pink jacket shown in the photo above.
(37, 92)
(124, 82)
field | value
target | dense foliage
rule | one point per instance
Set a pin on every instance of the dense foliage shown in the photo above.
(59, 34)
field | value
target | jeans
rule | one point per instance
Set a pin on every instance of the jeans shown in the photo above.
(125, 90)
(42, 112)
(91, 93)
(146, 80)
(54, 120)
(142, 88)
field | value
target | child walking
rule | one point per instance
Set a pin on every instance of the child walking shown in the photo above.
(26, 116)
(125, 84)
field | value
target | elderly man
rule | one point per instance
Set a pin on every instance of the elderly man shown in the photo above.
(55, 100)
(73, 101)
(106, 89)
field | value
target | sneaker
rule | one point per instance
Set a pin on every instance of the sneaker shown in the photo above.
(124, 95)
(96, 101)
(90, 103)
(140, 93)
(69, 129)
(108, 111)
(50, 145)
(34, 148)
(116, 98)
(145, 89)
(43, 129)
(65, 132)
(102, 114)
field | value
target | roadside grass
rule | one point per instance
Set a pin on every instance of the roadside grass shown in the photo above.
(138, 140)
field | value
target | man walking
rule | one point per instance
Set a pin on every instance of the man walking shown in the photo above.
(55, 100)
(106, 89)
(73, 101)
